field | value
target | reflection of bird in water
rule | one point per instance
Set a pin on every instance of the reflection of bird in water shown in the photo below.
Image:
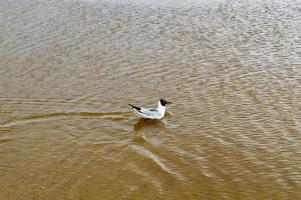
(145, 123)
(147, 113)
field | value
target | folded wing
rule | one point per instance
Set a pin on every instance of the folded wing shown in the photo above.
(146, 113)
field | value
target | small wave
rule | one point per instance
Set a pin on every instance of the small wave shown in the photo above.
(114, 116)
(144, 152)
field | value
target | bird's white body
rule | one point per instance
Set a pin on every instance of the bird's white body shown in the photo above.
(148, 113)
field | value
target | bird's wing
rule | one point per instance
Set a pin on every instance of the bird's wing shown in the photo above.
(146, 112)
(149, 112)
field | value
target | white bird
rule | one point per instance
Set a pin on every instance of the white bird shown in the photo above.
(148, 113)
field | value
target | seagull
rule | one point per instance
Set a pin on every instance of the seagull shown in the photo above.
(147, 113)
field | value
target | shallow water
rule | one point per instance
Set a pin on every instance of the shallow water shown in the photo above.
(68, 69)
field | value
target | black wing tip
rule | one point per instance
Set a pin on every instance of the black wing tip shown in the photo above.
(137, 108)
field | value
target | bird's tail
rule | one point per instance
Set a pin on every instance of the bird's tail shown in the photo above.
(137, 108)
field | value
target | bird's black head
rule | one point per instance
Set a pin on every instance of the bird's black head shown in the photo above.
(163, 102)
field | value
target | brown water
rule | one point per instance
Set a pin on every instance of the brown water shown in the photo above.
(68, 69)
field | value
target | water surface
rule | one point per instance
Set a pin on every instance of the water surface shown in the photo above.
(68, 69)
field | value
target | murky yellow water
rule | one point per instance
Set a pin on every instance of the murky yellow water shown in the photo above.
(68, 69)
